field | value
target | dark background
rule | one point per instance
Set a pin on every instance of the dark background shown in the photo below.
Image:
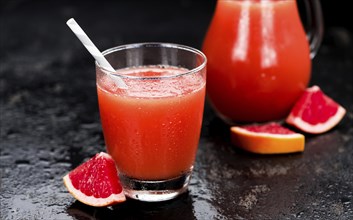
(146, 19)
(49, 120)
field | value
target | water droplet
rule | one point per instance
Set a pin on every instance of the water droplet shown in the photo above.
(19, 162)
(345, 200)
(299, 214)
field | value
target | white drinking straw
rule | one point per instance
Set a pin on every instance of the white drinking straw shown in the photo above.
(93, 50)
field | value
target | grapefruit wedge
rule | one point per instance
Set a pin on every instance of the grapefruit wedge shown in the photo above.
(315, 112)
(271, 138)
(96, 182)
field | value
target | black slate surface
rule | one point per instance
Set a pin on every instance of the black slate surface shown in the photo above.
(50, 123)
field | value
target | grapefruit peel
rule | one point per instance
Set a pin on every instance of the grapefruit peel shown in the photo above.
(112, 199)
(323, 115)
(263, 142)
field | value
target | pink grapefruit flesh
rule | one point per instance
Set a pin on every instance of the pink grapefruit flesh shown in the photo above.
(315, 112)
(271, 138)
(96, 182)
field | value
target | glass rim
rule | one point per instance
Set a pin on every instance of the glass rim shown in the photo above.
(154, 44)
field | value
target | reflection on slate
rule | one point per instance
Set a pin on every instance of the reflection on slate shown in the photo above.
(50, 120)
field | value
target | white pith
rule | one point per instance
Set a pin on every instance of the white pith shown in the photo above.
(313, 88)
(264, 134)
(103, 154)
(320, 127)
(91, 200)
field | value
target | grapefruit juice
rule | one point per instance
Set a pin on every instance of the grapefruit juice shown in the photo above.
(152, 128)
(258, 59)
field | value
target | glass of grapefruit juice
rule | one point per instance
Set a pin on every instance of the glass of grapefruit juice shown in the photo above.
(152, 127)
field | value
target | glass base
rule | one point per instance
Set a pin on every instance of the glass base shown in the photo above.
(155, 191)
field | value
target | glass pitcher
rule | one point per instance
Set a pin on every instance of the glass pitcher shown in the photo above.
(259, 57)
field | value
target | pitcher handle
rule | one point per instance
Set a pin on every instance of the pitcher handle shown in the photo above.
(315, 24)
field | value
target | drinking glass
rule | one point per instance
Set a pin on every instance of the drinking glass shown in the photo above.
(152, 127)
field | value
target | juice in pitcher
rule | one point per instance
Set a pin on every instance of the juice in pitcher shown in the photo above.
(258, 59)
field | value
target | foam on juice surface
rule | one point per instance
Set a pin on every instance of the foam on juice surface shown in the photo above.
(154, 81)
